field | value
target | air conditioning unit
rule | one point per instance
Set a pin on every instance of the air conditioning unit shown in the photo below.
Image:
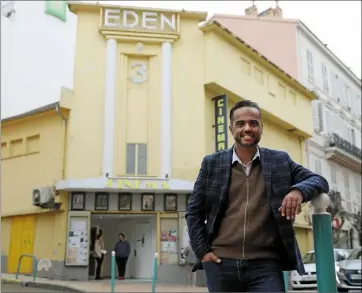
(44, 197)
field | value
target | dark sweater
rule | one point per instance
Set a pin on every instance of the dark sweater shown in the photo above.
(248, 229)
(122, 248)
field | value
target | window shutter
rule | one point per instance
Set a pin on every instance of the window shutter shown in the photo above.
(320, 117)
(316, 121)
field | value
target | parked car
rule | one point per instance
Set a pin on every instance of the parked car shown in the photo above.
(349, 273)
(309, 281)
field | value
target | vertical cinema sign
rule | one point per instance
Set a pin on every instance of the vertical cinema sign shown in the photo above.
(221, 131)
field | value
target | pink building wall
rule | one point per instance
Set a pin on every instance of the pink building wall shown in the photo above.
(275, 39)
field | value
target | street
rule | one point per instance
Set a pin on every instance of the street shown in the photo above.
(19, 288)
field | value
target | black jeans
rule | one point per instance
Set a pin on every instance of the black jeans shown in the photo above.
(99, 265)
(121, 264)
(232, 275)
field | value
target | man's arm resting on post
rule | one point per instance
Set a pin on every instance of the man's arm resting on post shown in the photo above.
(308, 183)
(196, 214)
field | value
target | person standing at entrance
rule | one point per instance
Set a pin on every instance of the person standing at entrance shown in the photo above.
(191, 260)
(249, 197)
(122, 250)
(99, 256)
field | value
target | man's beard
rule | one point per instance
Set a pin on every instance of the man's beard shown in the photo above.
(238, 140)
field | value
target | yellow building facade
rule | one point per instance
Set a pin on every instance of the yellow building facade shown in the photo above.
(120, 152)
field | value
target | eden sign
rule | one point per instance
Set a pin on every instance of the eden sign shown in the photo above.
(139, 20)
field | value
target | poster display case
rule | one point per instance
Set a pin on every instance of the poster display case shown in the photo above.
(78, 246)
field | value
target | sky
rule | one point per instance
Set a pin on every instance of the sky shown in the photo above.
(336, 23)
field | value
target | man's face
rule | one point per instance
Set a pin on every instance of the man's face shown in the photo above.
(120, 237)
(246, 126)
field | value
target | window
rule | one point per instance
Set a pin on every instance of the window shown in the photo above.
(357, 184)
(348, 95)
(318, 166)
(352, 136)
(136, 159)
(333, 175)
(310, 66)
(315, 114)
(342, 92)
(357, 106)
(328, 120)
(335, 87)
(325, 78)
(347, 193)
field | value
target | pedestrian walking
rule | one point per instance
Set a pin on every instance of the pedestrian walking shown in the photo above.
(249, 197)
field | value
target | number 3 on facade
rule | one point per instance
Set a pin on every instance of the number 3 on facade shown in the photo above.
(139, 75)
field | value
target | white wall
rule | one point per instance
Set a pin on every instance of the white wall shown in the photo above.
(333, 116)
(350, 103)
(37, 54)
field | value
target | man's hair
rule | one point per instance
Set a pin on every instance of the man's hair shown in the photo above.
(121, 234)
(242, 104)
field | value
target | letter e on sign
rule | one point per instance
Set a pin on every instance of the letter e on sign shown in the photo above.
(111, 17)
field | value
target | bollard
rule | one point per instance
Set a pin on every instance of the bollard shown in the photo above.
(113, 271)
(323, 245)
(154, 275)
(286, 281)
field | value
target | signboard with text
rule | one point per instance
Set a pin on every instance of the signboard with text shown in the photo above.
(221, 121)
(132, 19)
(137, 184)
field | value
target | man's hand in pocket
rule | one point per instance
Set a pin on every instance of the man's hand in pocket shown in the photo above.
(210, 256)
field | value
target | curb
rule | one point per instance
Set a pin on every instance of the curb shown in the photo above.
(46, 286)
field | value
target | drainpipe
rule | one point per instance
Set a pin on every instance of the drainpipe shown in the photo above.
(57, 109)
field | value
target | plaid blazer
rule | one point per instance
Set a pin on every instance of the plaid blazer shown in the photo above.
(281, 174)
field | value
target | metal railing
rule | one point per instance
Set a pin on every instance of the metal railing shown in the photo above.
(113, 272)
(35, 266)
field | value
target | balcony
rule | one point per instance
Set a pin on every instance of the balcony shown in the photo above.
(343, 152)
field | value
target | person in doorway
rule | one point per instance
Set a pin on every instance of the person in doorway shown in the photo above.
(191, 260)
(249, 196)
(99, 256)
(122, 250)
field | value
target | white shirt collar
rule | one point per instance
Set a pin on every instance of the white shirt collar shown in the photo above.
(236, 158)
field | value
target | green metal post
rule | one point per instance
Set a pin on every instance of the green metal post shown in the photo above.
(113, 271)
(323, 245)
(154, 275)
(286, 281)
(35, 266)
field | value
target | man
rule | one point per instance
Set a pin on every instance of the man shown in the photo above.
(249, 197)
(122, 250)
(191, 260)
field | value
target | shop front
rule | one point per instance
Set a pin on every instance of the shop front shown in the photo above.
(149, 212)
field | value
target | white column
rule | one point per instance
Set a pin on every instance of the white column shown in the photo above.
(166, 100)
(109, 108)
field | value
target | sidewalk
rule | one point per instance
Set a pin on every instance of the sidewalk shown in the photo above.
(98, 286)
